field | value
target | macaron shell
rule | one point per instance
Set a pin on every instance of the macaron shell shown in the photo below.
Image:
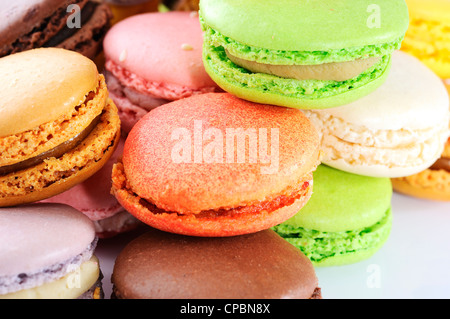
(355, 256)
(150, 166)
(343, 201)
(430, 185)
(308, 25)
(60, 80)
(35, 237)
(161, 48)
(159, 265)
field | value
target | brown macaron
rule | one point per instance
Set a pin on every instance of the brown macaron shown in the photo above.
(262, 265)
(77, 25)
(215, 165)
(57, 125)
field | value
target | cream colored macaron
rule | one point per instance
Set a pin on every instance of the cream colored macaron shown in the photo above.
(57, 124)
(398, 130)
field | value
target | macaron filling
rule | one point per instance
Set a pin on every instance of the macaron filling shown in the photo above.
(142, 100)
(82, 283)
(271, 204)
(281, 57)
(22, 281)
(54, 152)
(218, 62)
(333, 71)
(97, 146)
(32, 147)
(441, 164)
(320, 246)
(213, 222)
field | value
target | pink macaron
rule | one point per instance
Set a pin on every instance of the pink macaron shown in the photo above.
(152, 59)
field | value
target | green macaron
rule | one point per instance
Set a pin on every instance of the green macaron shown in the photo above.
(298, 53)
(347, 219)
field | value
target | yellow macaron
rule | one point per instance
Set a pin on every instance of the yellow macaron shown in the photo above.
(57, 124)
(428, 36)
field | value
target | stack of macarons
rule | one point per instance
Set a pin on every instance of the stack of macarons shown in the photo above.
(380, 114)
(428, 39)
(198, 178)
(189, 188)
(58, 129)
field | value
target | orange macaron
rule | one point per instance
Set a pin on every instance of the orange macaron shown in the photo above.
(215, 165)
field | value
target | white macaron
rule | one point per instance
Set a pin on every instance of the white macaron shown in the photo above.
(398, 130)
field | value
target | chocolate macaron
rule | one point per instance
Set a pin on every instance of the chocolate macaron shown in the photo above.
(77, 25)
(57, 125)
(47, 251)
(160, 265)
(216, 165)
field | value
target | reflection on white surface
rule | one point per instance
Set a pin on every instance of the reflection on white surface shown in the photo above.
(414, 262)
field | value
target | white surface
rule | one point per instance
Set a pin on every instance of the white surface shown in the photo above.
(414, 263)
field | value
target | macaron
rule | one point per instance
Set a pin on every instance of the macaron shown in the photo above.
(57, 125)
(47, 252)
(216, 165)
(160, 265)
(122, 9)
(93, 198)
(347, 220)
(78, 25)
(301, 54)
(432, 183)
(396, 131)
(428, 37)
(152, 59)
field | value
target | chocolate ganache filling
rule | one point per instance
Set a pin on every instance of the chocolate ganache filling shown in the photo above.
(56, 152)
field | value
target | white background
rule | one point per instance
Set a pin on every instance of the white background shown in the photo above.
(414, 262)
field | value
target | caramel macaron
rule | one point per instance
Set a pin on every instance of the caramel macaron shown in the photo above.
(216, 165)
(57, 125)
(160, 265)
